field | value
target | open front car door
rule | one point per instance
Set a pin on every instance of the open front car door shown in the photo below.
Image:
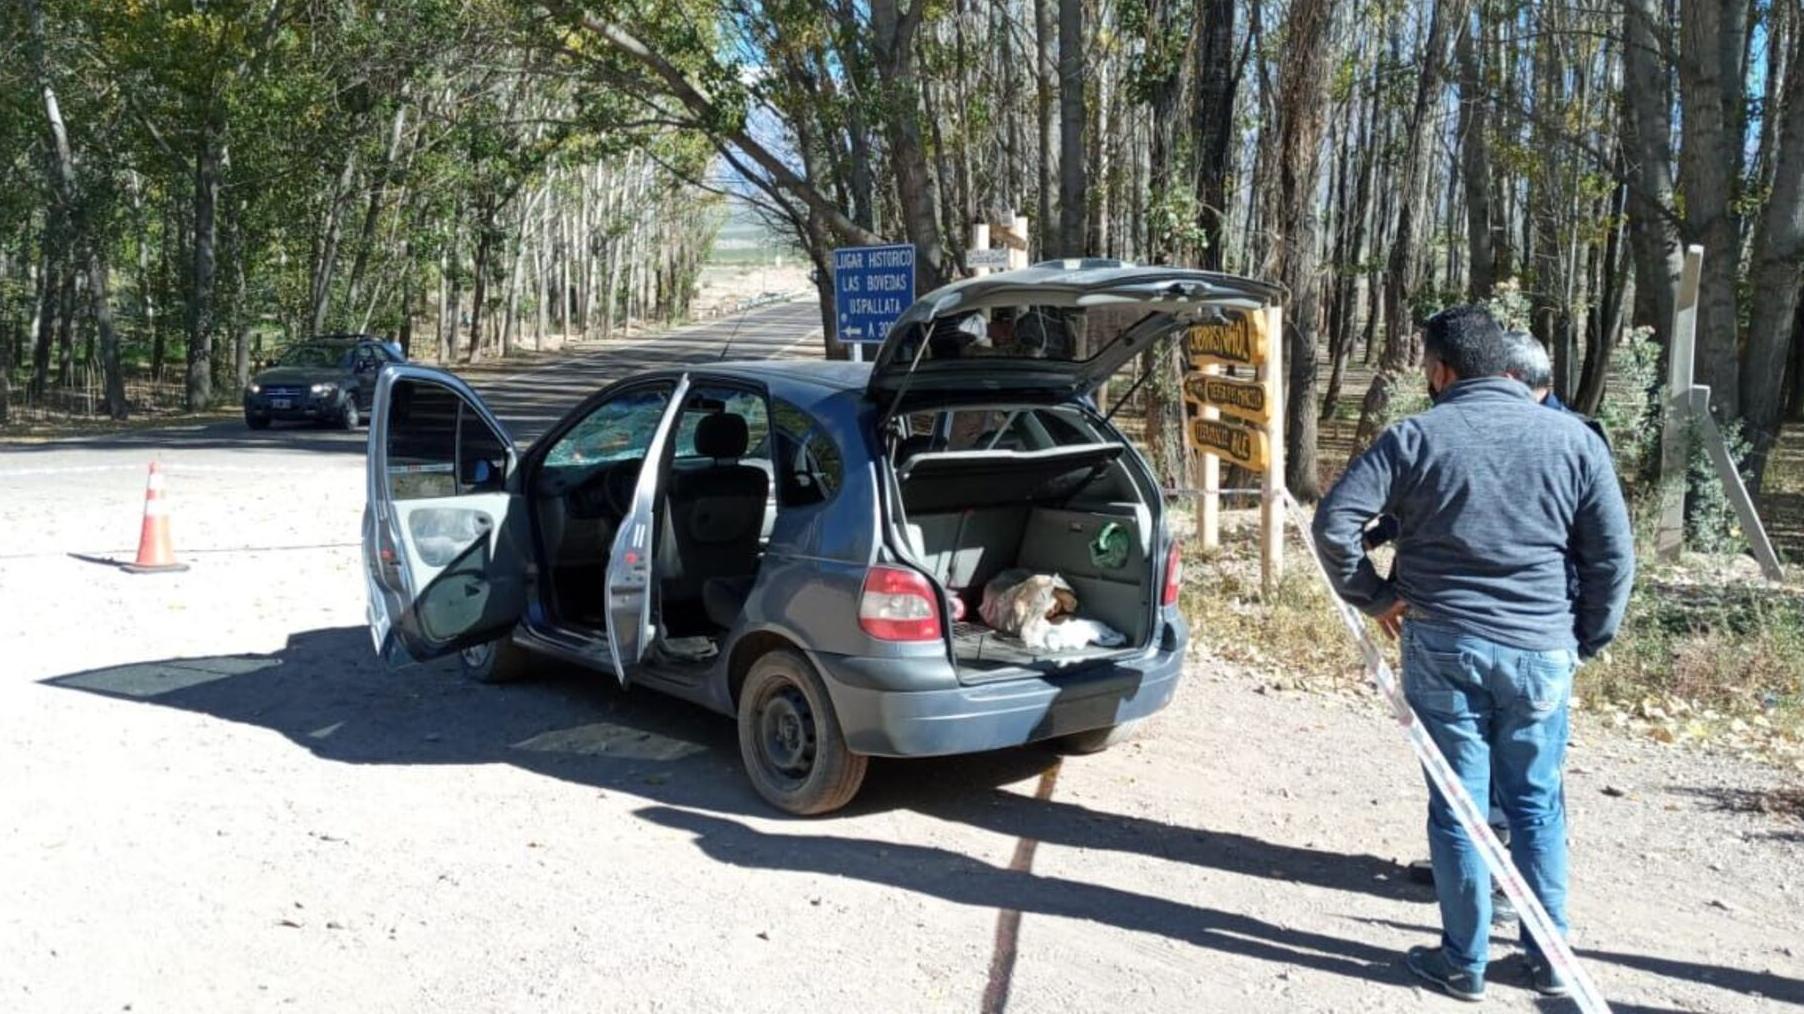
(443, 527)
(629, 576)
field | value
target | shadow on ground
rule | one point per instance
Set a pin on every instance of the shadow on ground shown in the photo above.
(325, 691)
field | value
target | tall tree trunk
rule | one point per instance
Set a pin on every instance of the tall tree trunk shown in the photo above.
(1044, 62)
(327, 264)
(201, 309)
(485, 244)
(895, 33)
(1709, 169)
(1608, 315)
(50, 289)
(372, 209)
(1073, 210)
(1405, 259)
(1475, 165)
(1776, 272)
(1293, 228)
(65, 331)
(1647, 142)
(1212, 123)
(1404, 266)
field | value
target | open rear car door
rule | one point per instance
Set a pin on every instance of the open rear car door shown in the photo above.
(629, 574)
(1046, 333)
(443, 529)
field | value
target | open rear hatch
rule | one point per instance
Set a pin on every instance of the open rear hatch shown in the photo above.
(1048, 333)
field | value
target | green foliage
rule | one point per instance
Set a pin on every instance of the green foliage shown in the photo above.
(1630, 411)
(1510, 305)
(1711, 525)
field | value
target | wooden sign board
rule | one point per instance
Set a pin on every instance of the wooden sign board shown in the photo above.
(1245, 399)
(995, 258)
(1242, 445)
(1238, 341)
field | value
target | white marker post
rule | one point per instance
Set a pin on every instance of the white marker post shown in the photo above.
(1675, 438)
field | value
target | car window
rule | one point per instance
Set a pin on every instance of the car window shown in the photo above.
(810, 468)
(615, 430)
(315, 354)
(438, 445)
(703, 402)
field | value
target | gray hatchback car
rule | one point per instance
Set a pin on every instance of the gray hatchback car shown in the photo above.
(805, 544)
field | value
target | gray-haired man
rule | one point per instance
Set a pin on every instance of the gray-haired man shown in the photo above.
(1530, 363)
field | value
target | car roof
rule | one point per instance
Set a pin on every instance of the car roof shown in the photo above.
(827, 374)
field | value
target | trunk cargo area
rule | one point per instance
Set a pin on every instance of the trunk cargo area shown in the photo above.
(965, 549)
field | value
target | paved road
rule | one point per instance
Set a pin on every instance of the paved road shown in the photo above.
(237, 487)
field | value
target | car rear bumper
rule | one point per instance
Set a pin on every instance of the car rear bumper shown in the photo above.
(991, 716)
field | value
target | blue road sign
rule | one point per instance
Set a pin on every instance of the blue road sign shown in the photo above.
(872, 285)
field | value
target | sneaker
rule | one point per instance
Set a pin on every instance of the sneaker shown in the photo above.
(1503, 910)
(1545, 979)
(1430, 964)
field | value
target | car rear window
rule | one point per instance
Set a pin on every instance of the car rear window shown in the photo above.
(810, 468)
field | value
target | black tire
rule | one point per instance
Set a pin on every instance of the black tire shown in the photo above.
(790, 740)
(497, 661)
(256, 422)
(348, 416)
(1098, 740)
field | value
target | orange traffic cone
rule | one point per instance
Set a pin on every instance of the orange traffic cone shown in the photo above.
(155, 556)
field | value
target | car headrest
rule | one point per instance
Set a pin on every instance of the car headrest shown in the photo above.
(721, 435)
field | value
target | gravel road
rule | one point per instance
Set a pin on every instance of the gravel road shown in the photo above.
(215, 799)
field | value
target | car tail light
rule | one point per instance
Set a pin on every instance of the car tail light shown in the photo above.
(897, 604)
(1174, 575)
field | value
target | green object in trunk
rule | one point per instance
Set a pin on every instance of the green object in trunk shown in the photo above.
(1110, 548)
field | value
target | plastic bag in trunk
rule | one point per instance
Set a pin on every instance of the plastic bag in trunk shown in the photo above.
(1041, 610)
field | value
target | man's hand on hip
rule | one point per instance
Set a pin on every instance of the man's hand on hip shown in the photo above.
(1391, 620)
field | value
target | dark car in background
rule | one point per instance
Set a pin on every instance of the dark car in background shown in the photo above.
(806, 545)
(330, 380)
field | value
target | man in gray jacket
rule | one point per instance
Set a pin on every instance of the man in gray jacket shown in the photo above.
(1497, 502)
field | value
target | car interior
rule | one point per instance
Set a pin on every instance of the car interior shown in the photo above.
(992, 489)
(714, 512)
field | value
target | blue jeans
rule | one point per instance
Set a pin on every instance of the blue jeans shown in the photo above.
(1500, 713)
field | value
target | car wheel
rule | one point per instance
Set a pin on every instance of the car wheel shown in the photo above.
(1098, 740)
(497, 661)
(790, 740)
(256, 422)
(348, 416)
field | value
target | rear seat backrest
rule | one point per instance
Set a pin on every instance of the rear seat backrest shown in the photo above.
(964, 549)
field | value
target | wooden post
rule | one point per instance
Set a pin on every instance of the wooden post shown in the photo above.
(1737, 490)
(1208, 519)
(1675, 435)
(1271, 499)
(1017, 256)
(980, 240)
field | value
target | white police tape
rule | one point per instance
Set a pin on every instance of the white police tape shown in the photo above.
(1474, 821)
